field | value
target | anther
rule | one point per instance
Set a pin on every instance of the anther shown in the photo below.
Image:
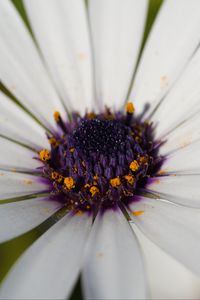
(130, 179)
(94, 190)
(69, 183)
(129, 112)
(45, 155)
(59, 121)
(115, 182)
(134, 166)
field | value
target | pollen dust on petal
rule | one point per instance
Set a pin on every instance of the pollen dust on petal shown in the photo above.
(164, 81)
(162, 172)
(157, 181)
(1, 174)
(82, 56)
(137, 213)
(28, 182)
(79, 213)
(99, 254)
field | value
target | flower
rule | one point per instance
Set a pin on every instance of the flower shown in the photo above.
(156, 192)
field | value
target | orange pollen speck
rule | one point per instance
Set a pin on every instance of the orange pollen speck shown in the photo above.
(72, 150)
(130, 179)
(130, 108)
(44, 155)
(69, 183)
(56, 116)
(138, 213)
(143, 159)
(94, 190)
(134, 166)
(115, 182)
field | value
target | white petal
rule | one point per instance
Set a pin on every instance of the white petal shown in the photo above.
(185, 160)
(21, 69)
(181, 189)
(167, 278)
(19, 217)
(171, 44)
(51, 265)
(62, 32)
(16, 157)
(182, 100)
(113, 267)
(184, 135)
(117, 30)
(19, 126)
(175, 229)
(14, 184)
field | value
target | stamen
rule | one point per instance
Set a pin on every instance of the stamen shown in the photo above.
(115, 182)
(94, 190)
(45, 155)
(69, 183)
(130, 179)
(130, 108)
(56, 116)
(134, 166)
(59, 121)
(129, 112)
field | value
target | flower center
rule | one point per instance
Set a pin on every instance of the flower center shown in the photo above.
(100, 136)
(100, 160)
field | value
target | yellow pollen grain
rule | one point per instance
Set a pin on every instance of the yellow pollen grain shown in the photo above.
(44, 155)
(94, 190)
(88, 206)
(130, 179)
(137, 213)
(60, 178)
(95, 177)
(86, 185)
(69, 182)
(71, 150)
(56, 116)
(130, 108)
(54, 175)
(134, 166)
(115, 182)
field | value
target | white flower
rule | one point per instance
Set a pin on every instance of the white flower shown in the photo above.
(84, 63)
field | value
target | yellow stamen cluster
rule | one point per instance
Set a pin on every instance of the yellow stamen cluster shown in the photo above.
(130, 179)
(115, 182)
(130, 108)
(56, 116)
(94, 190)
(44, 155)
(134, 166)
(69, 183)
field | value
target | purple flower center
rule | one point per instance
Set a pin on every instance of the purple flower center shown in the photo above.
(100, 160)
